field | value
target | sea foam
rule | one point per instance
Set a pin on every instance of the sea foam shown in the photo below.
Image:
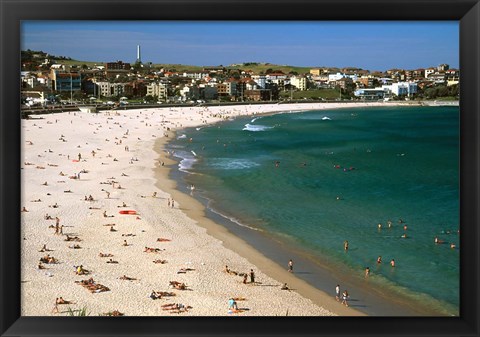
(256, 128)
(232, 164)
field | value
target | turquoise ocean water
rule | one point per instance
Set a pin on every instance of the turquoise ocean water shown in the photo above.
(315, 179)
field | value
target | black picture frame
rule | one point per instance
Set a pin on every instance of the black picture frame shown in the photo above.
(467, 12)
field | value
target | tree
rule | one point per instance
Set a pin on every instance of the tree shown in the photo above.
(150, 99)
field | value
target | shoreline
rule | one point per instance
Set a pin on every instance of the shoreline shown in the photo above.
(197, 211)
(373, 301)
(192, 246)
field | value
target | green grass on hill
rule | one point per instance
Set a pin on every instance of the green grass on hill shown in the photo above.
(256, 68)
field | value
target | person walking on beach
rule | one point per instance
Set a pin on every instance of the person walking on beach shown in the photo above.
(57, 225)
(367, 271)
(252, 276)
(290, 266)
(345, 297)
(337, 293)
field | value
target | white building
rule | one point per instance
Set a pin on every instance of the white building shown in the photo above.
(429, 71)
(339, 76)
(300, 82)
(196, 76)
(157, 89)
(401, 88)
(261, 80)
(107, 89)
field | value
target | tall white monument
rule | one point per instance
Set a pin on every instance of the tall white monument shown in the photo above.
(138, 54)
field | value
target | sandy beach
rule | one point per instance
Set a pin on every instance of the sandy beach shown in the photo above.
(82, 169)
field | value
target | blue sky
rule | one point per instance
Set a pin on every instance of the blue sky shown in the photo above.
(370, 45)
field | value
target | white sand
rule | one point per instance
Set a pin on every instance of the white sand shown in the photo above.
(209, 288)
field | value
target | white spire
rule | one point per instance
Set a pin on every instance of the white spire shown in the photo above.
(138, 54)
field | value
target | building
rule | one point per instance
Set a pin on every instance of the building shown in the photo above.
(222, 89)
(62, 81)
(258, 95)
(439, 77)
(401, 88)
(107, 89)
(443, 67)
(196, 76)
(209, 92)
(114, 69)
(344, 83)
(231, 87)
(365, 82)
(452, 76)
(299, 82)
(219, 70)
(429, 71)
(159, 90)
(370, 94)
(261, 80)
(190, 92)
(315, 72)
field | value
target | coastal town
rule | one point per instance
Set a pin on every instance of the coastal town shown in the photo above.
(47, 79)
(107, 231)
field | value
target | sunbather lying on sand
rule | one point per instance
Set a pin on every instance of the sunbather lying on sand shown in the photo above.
(126, 278)
(163, 240)
(178, 285)
(152, 250)
(48, 259)
(62, 301)
(176, 307)
(72, 238)
(105, 255)
(91, 285)
(160, 261)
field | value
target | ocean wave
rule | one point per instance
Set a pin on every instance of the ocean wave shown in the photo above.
(187, 160)
(256, 128)
(255, 119)
(232, 164)
(182, 136)
(234, 220)
(326, 118)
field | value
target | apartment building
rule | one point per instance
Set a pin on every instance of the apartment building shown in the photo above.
(157, 89)
(299, 82)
